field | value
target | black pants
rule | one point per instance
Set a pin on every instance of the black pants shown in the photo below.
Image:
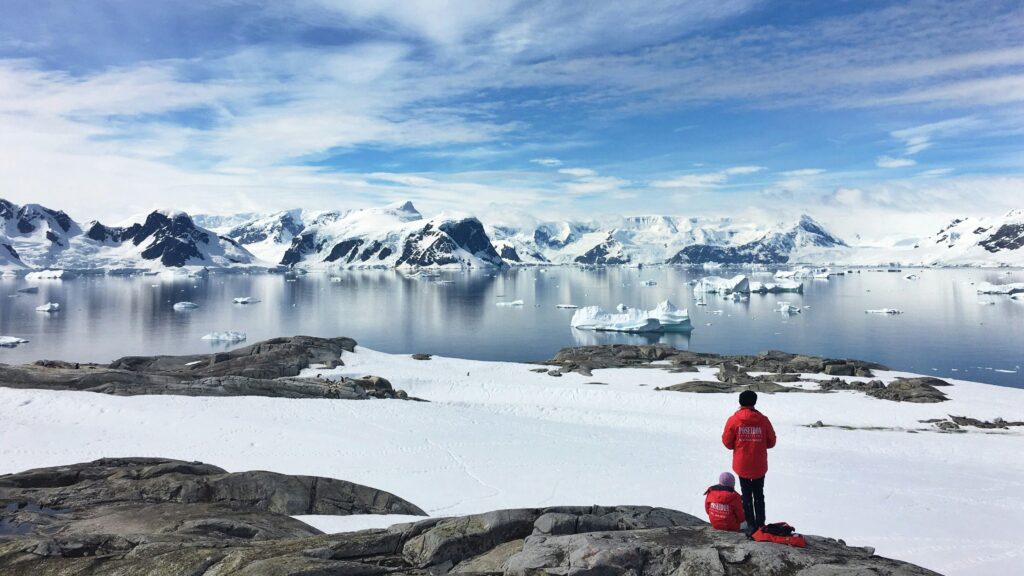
(753, 500)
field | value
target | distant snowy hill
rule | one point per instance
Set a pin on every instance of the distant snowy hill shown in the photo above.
(38, 238)
(398, 236)
(776, 247)
(394, 236)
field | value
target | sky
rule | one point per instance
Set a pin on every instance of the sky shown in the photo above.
(880, 118)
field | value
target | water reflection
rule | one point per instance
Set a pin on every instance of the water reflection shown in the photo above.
(944, 330)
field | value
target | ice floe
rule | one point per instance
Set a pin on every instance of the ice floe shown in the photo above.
(719, 285)
(989, 288)
(777, 287)
(11, 341)
(787, 308)
(228, 336)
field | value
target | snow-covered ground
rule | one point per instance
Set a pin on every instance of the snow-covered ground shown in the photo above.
(496, 435)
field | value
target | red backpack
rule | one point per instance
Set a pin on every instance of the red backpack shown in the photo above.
(779, 533)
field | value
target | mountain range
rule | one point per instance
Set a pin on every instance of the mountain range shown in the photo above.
(34, 237)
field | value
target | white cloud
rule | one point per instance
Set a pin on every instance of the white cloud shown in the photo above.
(890, 162)
(803, 172)
(549, 162)
(577, 172)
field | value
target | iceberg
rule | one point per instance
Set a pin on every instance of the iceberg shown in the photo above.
(48, 307)
(787, 308)
(11, 341)
(228, 336)
(989, 288)
(890, 311)
(48, 275)
(514, 303)
(777, 287)
(671, 318)
(181, 306)
(719, 285)
(596, 318)
(246, 300)
(796, 273)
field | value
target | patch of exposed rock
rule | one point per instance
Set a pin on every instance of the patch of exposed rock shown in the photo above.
(132, 516)
(584, 359)
(268, 368)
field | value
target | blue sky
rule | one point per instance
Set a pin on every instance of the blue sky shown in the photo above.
(869, 115)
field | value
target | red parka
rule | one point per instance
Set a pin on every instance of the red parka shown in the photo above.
(724, 507)
(749, 435)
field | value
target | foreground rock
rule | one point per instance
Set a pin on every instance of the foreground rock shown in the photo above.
(267, 368)
(136, 516)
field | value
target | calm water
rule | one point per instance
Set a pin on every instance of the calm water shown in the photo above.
(944, 330)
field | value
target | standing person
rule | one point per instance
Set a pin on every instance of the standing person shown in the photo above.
(749, 434)
(723, 504)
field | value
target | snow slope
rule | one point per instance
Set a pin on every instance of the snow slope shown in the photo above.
(496, 435)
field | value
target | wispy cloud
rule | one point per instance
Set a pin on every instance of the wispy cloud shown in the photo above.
(890, 162)
(706, 179)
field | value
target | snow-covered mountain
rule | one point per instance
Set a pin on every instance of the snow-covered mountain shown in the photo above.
(776, 247)
(38, 238)
(398, 236)
(394, 236)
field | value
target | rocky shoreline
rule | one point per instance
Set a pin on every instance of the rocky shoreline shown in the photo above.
(143, 516)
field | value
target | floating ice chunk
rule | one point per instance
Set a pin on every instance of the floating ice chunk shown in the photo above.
(671, 318)
(596, 318)
(228, 336)
(777, 287)
(11, 341)
(719, 285)
(48, 275)
(787, 308)
(29, 290)
(567, 306)
(246, 300)
(796, 273)
(513, 303)
(989, 288)
(182, 306)
(891, 311)
(48, 307)
(649, 283)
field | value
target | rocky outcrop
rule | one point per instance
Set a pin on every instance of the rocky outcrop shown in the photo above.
(585, 358)
(269, 368)
(150, 516)
(766, 372)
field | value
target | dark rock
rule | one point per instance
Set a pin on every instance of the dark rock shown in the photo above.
(267, 368)
(149, 516)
